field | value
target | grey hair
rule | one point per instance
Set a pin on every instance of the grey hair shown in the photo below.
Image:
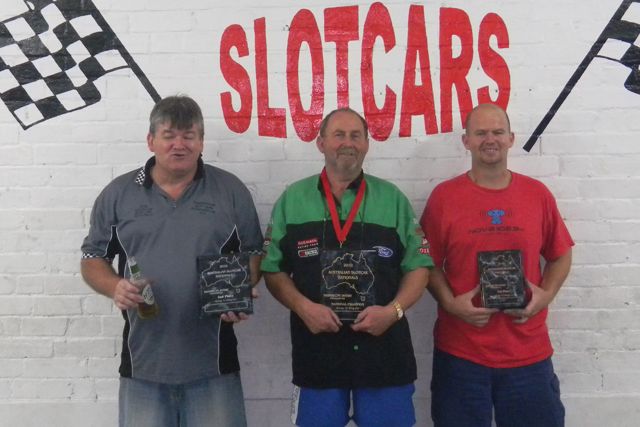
(179, 111)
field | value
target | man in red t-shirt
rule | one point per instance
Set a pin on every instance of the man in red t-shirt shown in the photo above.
(488, 360)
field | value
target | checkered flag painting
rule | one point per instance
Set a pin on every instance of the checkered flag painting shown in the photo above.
(623, 44)
(51, 55)
(619, 42)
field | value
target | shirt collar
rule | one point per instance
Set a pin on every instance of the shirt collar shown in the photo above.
(353, 185)
(143, 177)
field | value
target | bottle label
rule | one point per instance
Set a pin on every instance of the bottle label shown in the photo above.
(147, 295)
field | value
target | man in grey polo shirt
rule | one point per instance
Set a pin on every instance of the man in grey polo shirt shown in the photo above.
(178, 368)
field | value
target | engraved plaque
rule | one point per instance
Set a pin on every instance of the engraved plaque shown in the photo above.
(501, 279)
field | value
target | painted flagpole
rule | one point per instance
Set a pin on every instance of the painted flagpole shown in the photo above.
(577, 75)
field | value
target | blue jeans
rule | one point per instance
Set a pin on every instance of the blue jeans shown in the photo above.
(464, 394)
(372, 407)
(211, 402)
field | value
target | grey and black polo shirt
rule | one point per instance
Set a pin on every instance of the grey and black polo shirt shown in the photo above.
(134, 217)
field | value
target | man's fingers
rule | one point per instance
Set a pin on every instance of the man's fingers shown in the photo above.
(124, 303)
(230, 316)
(126, 295)
(515, 312)
(322, 319)
(486, 311)
(336, 321)
(361, 316)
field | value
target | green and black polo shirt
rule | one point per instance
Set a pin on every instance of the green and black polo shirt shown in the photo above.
(300, 229)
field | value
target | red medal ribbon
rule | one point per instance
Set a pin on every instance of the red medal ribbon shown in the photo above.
(341, 232)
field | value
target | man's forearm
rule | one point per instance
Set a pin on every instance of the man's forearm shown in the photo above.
(254, 269)
(412, 287)
(555, 273)
(439, 287)
(284, 290)
(100, 275)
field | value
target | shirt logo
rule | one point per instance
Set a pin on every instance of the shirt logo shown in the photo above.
(143, 210)
(306, 253)
(308, 247)
(384, 252)
(501, 222)
(424, 246)
(204, 207)
(496, 216)
(267, 238)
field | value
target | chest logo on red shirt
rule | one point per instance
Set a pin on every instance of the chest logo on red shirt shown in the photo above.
(496, 221)
(496, 216)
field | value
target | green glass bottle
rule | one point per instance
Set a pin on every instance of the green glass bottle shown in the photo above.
(148, 309)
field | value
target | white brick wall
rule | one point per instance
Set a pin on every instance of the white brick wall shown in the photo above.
(59, 342)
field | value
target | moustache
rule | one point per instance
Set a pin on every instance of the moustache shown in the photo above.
(347, 151)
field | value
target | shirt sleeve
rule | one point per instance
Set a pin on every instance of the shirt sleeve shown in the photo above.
(416, 246)
(430, 224)
(102, 242)
(247, 220)
(557, 240)
(274, 258)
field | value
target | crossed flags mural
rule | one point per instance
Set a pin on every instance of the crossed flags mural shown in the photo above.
(51, 55)
(618, 42)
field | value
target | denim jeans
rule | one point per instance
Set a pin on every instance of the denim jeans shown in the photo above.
(213, 402)
(464, 394)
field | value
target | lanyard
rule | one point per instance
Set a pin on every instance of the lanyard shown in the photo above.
(341, 232)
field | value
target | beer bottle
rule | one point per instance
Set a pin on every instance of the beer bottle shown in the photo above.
(149, 308)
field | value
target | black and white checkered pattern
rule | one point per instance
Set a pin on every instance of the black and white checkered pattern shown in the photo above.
(51, 55)
(623, 44)
(619, 42)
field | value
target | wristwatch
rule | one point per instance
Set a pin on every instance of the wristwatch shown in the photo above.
(399, 310)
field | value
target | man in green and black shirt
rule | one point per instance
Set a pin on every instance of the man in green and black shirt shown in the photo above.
(345, 254)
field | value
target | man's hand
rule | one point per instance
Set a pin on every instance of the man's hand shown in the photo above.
(319, 318)
(462, 306)
(126, 295)
(232, 317)
(540, 299)
(375, 319)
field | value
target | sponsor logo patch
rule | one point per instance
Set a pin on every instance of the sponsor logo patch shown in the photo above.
(308, 247)
(384, 252)
(306, 253)
(425, 247)
(267, 238)
(308, 242)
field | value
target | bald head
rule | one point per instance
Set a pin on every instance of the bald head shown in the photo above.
(487, 107)
(327, 119)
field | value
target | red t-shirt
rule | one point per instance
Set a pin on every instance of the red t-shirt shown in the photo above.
(460, 220)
